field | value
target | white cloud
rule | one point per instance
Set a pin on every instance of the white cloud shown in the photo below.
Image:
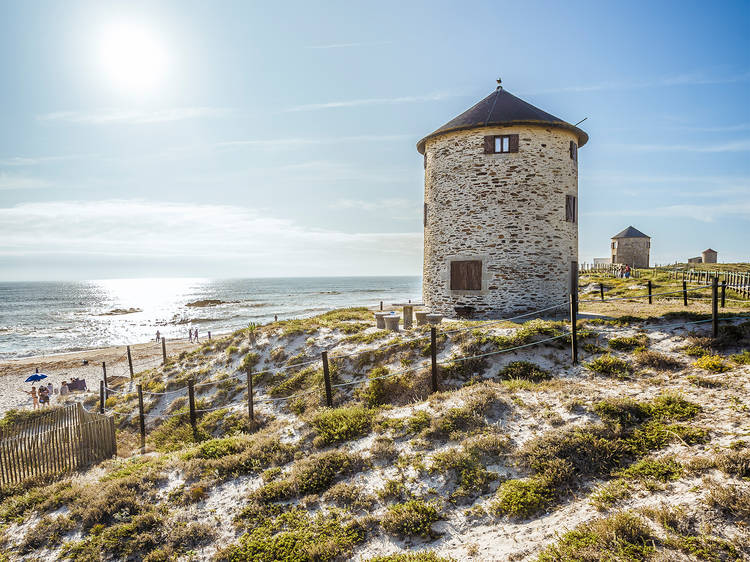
(392, 208)
(373, 101)
(742, 145)
(166, 229)
(699, 212)
(115, 116)
(349, 45)
(22, 182)
(284, 142)
(37, 160)
(686, 79)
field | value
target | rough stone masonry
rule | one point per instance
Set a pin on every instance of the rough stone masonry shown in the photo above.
(507, 210)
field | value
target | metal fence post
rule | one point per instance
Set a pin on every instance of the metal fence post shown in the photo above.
(573, 328)
(715, 307)
(141, 419)
(130, 362)
(191, 399)
(327, 379)
(433, 357)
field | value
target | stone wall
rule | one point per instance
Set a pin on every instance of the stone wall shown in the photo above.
(632, 251)
(709, 257)
(507, 210)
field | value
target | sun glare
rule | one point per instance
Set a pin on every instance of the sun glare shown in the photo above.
(133, 57)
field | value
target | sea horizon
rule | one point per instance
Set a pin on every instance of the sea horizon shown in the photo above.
(52, 317)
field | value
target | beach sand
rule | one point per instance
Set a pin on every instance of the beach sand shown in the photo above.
(64, 366)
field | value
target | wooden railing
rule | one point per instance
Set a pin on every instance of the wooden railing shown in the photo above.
(62, 441)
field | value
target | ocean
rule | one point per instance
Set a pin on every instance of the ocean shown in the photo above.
(41, 318)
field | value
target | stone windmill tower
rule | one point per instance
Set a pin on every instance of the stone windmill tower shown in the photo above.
(500, 209)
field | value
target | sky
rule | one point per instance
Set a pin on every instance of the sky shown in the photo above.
(254, 139)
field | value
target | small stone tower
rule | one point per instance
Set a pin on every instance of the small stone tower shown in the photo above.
(631, 247)
(500, 209)
(709, 256)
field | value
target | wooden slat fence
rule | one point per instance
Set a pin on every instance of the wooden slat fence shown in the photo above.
(736, 280)
(63, 441)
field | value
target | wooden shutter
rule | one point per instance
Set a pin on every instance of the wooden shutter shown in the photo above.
(512, 143)
(489, 144)
(466, 275)
(574, 151)
(570, 208)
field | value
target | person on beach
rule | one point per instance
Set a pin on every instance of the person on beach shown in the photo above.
(627, 272)
(34, 397)
(64, 390)
(196, 335)
(43, 396)
(50, 388)
(190, 334)
(158, 336)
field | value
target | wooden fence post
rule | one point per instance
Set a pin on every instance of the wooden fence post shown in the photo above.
(723, 293)
(250, 396)
(327, 379)
(601, 290)
(191, 399)
(104, 374)
(209, 335)
(684, 292)
(130, 363)
(649, 293)
(101, 397)
(164, 351)
(573, 329)
(141, 419)
(715, 307)
(433, 357)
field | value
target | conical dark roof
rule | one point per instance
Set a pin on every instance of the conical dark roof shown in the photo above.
(631, 232)
(503, 108)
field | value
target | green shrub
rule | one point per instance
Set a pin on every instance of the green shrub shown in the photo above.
(522, 497)
(471, 475)
(341, 424)
(655, 360)
(696, 351)
(620, 537)
(652, 469)
(713, 363)
(410, 519)
(741, 358)
(625, 411)
(311, 475)
(628, 343)
(294, 535)
(249, 361)
(610, 366)
(422, 556)
(524, 370)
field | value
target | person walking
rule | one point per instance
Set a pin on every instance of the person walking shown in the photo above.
(190, 335)
(196, 335)
(158, 336)
(64, 390)
(43, 396)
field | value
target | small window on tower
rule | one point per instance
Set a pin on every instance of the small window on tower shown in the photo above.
(574, 151)
(570, 208)
(500, 144)
(466, 275)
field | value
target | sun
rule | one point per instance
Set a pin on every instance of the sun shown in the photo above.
(133, 57)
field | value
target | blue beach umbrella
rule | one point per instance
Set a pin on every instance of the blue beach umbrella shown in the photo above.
(36, 377)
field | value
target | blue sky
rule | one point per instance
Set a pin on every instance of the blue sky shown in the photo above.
(275, 139)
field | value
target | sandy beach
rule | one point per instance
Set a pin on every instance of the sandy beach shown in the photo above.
(65, 366)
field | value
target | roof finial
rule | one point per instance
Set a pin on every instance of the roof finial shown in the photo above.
(499, 84)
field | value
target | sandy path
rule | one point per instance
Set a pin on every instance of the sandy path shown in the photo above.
(66, 365)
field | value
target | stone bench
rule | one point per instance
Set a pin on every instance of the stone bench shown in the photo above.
(391, 322)
(421, 317)
(434, 319)
(379, 322)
